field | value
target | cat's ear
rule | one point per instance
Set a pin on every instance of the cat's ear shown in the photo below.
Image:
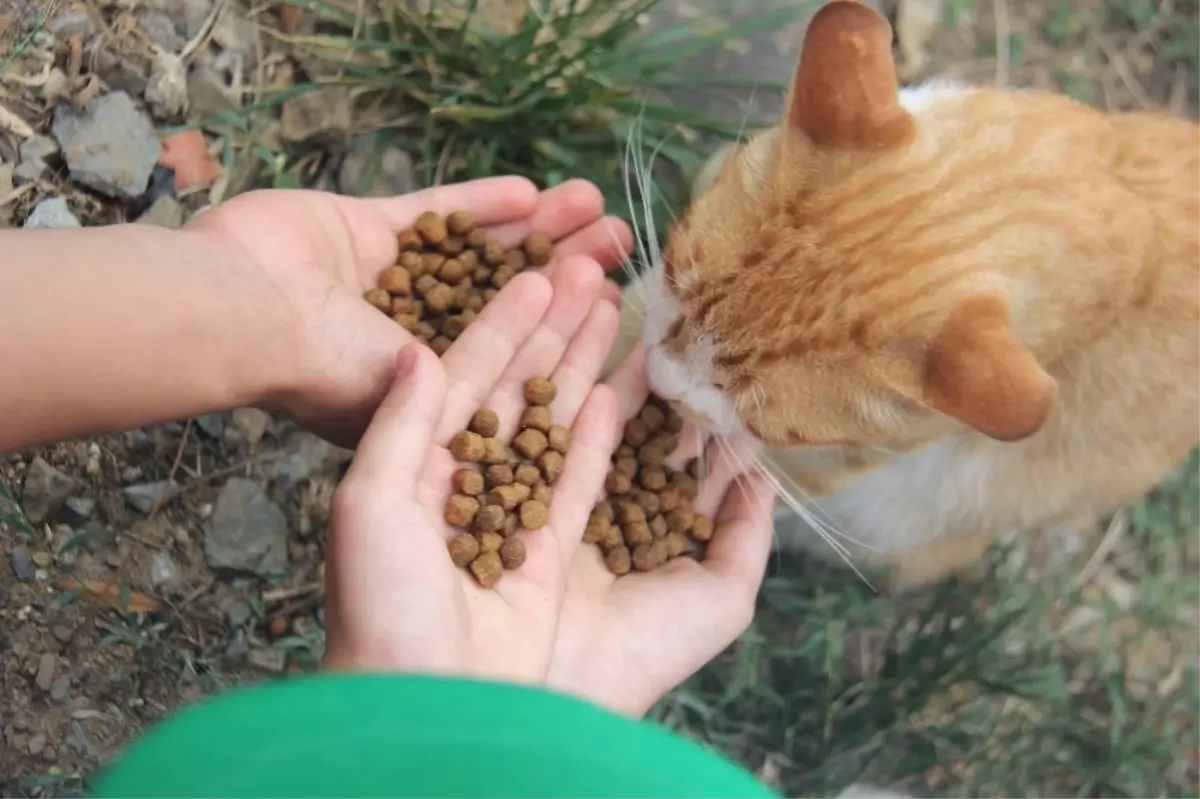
(977, 371)
(845, 93)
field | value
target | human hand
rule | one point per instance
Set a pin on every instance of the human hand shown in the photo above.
(316, 253)
(395, 601)
(625, 642)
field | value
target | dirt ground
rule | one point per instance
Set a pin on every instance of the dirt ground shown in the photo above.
(112, 613)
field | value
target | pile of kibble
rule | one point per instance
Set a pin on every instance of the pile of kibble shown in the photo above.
(504, 487)
(446, 273)
(647, 517)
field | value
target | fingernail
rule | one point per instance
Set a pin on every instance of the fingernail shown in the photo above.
(406, 360)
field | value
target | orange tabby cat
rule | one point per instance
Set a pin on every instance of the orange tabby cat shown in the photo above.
(951, 313)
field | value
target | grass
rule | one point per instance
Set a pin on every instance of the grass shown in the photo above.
(573, 89)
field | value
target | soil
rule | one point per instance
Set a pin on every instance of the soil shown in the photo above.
(81, 672)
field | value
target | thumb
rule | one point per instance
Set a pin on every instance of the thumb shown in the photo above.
(396, 443)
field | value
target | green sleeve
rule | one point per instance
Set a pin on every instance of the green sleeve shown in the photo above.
(413, 736)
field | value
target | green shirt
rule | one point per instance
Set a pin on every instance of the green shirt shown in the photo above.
(418, 736)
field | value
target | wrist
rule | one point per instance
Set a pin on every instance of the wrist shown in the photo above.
(255, 332)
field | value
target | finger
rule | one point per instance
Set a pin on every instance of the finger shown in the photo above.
(741, 542)
(580, 367)
(628, 383)
(593, 439)
(608, 240)
(395, 446)
(575, 292)
(478, 358)
(493, 201)
(727, 460)
(560, 211)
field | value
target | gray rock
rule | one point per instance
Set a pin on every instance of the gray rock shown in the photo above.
(247, 531)
(36, 744)
(47, 665)
(60, 689)
(161, 30)
(194, 12)
(44, 491)
(213, 424)
(167, 86)
(372, 169)
(34, 152)
(131, 474)
(164, 571)
(238, 614)
(22, 566)
(122, 73)
(138, 440)
(236, 33)
(75, 24)
(110, 147)
(145, 496)
(250, 424)
(52, 212)
(303, 455)
(62, 633)
(38, 148)
(268, 659)
(6, 181)
(322, 115)
(80, 508)
(209, 91)
(163, 212)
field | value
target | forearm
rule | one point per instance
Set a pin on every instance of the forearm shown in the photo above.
(110, 328)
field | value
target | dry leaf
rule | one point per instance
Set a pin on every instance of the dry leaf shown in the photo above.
(104, 592)
(916, 22)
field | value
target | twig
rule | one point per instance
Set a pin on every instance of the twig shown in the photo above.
(158, 502)
(14, 124)
(143, 540)
(1116, 528)
(16, 193)
(1000, 12)
(1122, 69)
(280, 594)
(202, 35)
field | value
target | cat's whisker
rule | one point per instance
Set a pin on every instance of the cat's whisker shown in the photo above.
(765, 462)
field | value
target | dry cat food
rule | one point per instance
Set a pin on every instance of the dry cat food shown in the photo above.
(502, 488)
(647, 518)
(447, 272)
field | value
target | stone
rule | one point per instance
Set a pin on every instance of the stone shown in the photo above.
(81, 507)
(238, 614)
(131, 474)
(47, 665)
(210, 90)
(164, 571)
(237, 34)
(121, 72)
(194, 13)
(52, 212)
(144, 496)
(110, 147)
(36, 744)
(60, 689)
(268, 659)
(163, 212)
(34, 153)
(372, 169)
(62, 633)
(138, 440)
(302, 455)
(161, 29)
(42, 558)
(322, 115)
(167, 86)
(250, 424)
(186, 154)
(212, 424)
(247, 532)
(78, 23)
(46, 488)
(22, 566)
